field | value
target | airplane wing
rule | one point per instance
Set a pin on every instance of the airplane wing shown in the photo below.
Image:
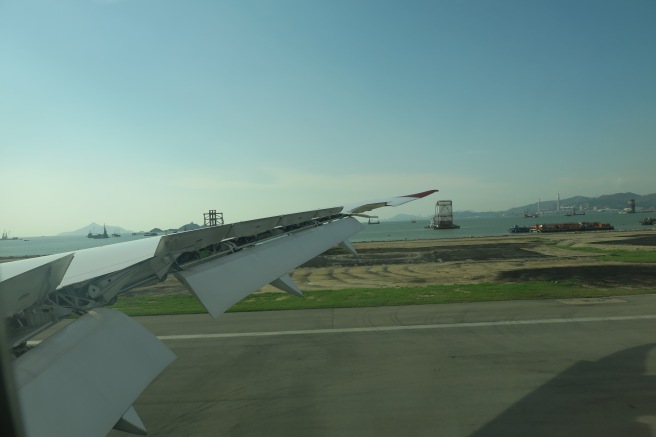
(103, 360)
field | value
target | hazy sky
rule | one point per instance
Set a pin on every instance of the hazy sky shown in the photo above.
(144, 113)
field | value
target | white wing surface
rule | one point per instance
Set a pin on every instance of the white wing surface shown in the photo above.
(102, 361)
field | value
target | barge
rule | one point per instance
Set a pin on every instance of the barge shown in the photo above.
(572, 227)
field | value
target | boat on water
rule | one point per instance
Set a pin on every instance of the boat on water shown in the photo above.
(649, 221)
(442, 225)
(5, 236)
(572, 227)
(375, 221)
(98, 236)
(519, 229)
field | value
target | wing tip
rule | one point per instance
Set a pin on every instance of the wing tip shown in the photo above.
(422, 194)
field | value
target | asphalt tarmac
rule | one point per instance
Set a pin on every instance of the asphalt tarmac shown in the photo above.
(567, 368)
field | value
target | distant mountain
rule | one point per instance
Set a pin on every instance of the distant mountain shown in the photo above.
(189, 227)
(616, 201)
(95, 228)
(607, 201)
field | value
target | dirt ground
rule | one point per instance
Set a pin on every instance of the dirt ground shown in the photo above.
(471, 260)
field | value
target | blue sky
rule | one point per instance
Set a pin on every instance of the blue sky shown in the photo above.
(143, 113)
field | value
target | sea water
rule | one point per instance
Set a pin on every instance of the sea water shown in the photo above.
(489, 226)
(384, 231)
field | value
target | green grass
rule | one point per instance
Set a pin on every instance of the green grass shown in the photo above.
(370, 297)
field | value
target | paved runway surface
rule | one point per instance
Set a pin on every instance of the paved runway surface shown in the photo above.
(579, 368)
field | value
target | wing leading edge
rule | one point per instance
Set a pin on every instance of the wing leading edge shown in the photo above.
(104, 358)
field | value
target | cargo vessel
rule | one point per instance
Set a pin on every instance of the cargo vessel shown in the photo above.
(572, 227)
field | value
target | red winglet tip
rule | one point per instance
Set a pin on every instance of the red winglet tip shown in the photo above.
(422, 194)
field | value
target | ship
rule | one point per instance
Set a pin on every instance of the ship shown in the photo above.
(5, 236)
(520, 229)
(649, 221)
(98, 236)
(572, 227)
(528, 214)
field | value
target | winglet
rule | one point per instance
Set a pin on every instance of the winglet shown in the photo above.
(422, 194)
(359, 208)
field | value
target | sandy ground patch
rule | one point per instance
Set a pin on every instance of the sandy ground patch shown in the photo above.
(523, 257)
(470, 260)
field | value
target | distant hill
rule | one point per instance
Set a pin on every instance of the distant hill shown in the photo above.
(607, 201)
(616, 201)
(95, 228)
(189, 227)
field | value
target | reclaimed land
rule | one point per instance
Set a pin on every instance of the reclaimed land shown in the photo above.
(552, 266)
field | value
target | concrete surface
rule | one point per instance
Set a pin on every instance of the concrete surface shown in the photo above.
(578, 367)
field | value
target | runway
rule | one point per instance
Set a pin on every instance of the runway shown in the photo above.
(579, 367)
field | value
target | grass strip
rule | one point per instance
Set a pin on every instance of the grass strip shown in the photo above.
(370, 297)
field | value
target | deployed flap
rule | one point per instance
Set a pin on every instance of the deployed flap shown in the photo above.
(285, 283)
(99, 364)
(222, 282)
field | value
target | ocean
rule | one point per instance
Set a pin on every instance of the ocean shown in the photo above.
(384, 231)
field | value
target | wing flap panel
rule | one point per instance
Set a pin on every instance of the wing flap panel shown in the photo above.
(253, 227)
(221, 283)
(99, 364)
(191, 240)
(98, 261)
